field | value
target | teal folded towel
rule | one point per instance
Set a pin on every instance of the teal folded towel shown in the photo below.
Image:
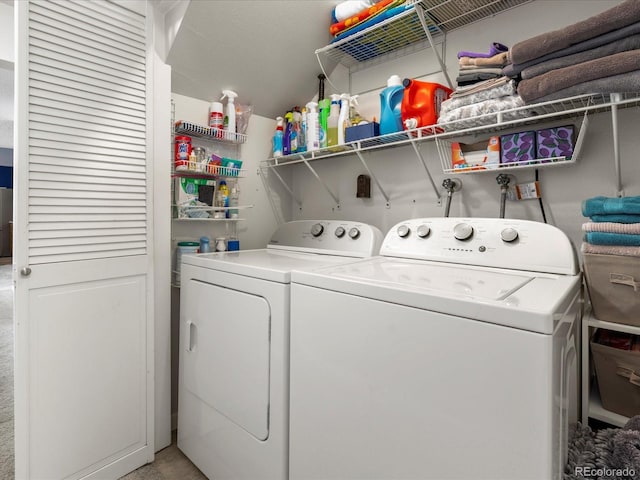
(616, 218)
(611, 206)
(606, 238)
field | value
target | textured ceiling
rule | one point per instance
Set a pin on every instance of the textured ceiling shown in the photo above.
(264, 50)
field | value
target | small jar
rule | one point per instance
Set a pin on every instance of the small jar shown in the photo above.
(205, 246)
(183, 150)
(221, 245)
(201, 158)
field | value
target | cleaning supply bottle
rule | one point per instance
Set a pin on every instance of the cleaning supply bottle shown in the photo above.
(216, 117)
(343, 119)
(421, 103)
(286, 143)
(303, 130)
(223, 191)
(234, 199)
(230, 116)
(278, 138)
(390, 106)
(313, 126)
(324, 107)
(301, 145)
(354, 116)
(332, 121)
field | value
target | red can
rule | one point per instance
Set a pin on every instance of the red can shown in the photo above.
(183, 150)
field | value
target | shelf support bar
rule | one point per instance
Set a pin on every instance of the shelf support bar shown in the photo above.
(287, 188)
(335, 198)
(615, 99)
(421, 14)
(426, 169)
(370, 173)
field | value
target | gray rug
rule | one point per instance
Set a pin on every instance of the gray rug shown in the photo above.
(6, 374)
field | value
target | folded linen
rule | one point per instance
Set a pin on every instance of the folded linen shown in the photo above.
(606, 238)
(483, 113)
(475, 77)
(610, 250)
(611, 206)
(611, 227)
(499, 59)
(624, 82)
(494, 49)
(622, 45)
(555, 80)
(621, 15)
(513, 70)
(457, 101)
(480, 86)
(615, 218)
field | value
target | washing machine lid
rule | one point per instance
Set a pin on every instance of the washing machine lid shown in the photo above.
(525, 300)
(266, 264)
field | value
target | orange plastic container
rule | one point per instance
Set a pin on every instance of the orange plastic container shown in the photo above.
(421, 103)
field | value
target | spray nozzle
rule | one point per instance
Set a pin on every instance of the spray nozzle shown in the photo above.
(230, 94)
(279, 123)
(311, 106)
(353, 101)
(335, 98)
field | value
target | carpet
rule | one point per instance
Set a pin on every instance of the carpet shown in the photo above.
(6, 374)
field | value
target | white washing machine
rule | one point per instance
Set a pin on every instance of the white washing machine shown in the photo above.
(452, 355)
(233, 405)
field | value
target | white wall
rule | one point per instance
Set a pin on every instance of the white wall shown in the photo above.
(402, 175)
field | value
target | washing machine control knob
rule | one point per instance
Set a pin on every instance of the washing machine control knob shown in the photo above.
(340, 232)
(354, 233)
(403, 231)
(317, 229)
(463, 231)
(424, 231)
(509, 235)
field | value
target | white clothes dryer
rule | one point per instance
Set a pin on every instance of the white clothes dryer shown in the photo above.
(233, 404)
(452, 355)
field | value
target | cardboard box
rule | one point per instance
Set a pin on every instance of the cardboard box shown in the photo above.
(555, 142)
(618, 375)
(518, 147)
(613, 282)
(476, 156)
(362, 131)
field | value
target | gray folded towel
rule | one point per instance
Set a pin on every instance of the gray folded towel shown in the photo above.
(621, 15)
(625, 82)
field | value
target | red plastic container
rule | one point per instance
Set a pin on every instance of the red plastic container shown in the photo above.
(183, 150)
(421, 103)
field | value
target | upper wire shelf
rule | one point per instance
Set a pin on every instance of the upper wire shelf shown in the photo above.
(209, 133)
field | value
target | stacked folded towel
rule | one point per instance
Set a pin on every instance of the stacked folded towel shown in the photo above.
(614, 228)
(479, 66)
(598, 55)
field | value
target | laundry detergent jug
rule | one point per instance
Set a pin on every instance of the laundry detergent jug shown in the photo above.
(390, 106)
(421, 103)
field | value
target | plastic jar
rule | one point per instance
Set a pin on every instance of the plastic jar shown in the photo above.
(183, 150)
(184, 247)
(205, 246)
(221, 245)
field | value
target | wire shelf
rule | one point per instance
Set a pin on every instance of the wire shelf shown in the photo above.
(196, 170)
(210, 133)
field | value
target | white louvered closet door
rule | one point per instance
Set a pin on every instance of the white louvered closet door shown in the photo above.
(84, 329)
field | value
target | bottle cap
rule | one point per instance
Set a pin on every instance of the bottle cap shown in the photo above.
(394, 81)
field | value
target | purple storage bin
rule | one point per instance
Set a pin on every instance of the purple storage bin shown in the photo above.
(518, 147)
(555, 142)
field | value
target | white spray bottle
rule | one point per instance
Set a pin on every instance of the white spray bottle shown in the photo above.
(343, 119)
(313, 127)
(230, 117)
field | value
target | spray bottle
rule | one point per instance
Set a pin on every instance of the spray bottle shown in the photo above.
(301, 145)
(289, 146)
(343, 119)
(313, 126)
(324, 106)
(354, 116)
(278, 137)
(332, 121)
(230, 117)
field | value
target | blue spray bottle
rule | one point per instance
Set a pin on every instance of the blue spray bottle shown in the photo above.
(278, 138)
(288, 129)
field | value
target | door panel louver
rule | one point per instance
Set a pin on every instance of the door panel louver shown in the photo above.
(87, 131)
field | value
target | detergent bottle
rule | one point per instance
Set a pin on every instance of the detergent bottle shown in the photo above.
(230, 117)
(278, 137)
(301, 143)
(313, 127)
(288, 129)
(332, 121)
(390, 106)
(421, 103)
(343, 119)
(324, 106)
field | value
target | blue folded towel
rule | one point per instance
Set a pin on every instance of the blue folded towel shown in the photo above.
(606, 238)
(616, 218)
(609, 206)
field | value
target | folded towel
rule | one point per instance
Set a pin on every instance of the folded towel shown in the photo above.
(471, 78)
(632, 228)
(624, 82)
(611, 206)
(610, 250)
(457, 101)
(513, 70)
(494, 49)
(605, 238)
(550, 82)
(360, 16)
(484, 85)
(620, 218)
(621, 15)
(499, 59)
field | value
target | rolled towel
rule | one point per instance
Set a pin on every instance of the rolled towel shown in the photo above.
(611, 227)
(610, 250)
(621, 15)
(605, 238)
(611, 206)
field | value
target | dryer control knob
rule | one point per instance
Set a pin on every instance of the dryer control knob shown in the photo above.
(354, 233)
(317, 229)
(340, 232)
(463, 231)
(509, 235)
(424, 231)
(403, 231)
